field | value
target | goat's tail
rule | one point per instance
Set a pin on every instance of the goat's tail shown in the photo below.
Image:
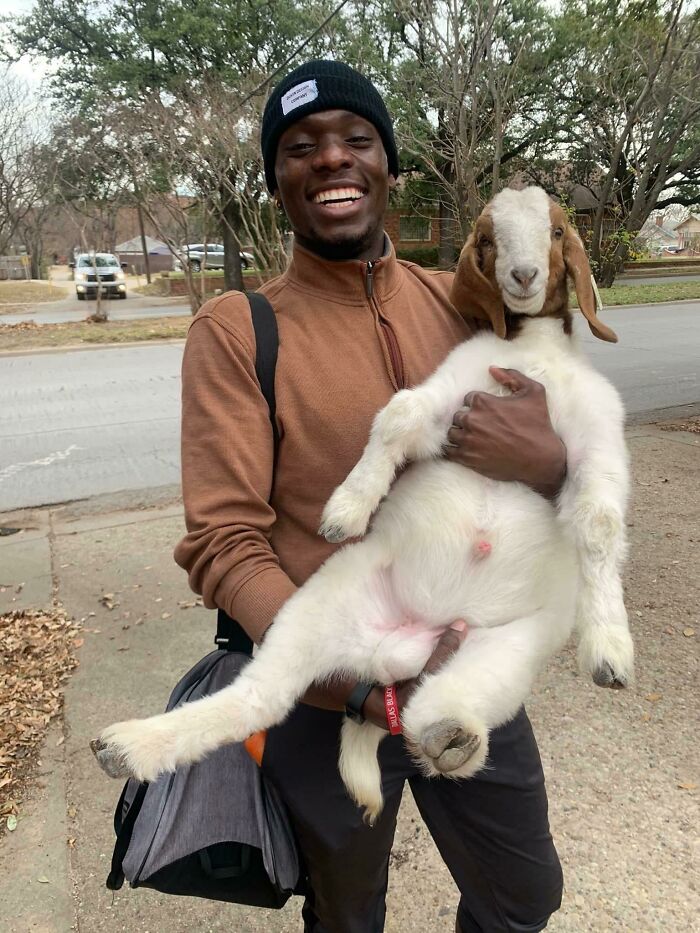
(359, 767)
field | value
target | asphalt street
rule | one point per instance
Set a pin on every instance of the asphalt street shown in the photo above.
(70, 309)
(81, 423)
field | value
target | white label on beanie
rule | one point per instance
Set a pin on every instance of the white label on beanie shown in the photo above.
(299, 94)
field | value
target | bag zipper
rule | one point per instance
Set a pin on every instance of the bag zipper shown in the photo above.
(390, 340)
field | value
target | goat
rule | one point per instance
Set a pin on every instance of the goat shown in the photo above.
(447, 543)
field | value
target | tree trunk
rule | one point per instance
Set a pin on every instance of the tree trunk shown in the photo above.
(144, 250)
(233, 275)
(446, 248)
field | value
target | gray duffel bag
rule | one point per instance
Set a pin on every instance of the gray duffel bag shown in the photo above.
(216, 829)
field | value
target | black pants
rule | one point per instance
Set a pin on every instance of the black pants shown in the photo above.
(492, 830)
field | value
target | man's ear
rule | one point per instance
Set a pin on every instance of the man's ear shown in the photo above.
(473, 295)
(578, 268)
(392, 182)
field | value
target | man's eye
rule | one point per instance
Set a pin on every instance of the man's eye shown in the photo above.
(360, 139)
(299, 147)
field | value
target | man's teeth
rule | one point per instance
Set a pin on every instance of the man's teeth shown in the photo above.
(338, 194)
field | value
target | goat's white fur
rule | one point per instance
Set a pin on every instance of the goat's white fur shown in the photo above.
(375, 609)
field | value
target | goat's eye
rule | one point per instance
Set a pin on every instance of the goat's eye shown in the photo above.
(484, 241)
(558, 233)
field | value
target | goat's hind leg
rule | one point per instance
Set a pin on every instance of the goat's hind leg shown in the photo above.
(301, 647)
(448, 719)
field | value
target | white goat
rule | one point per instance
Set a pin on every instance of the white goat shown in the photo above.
(446, 543)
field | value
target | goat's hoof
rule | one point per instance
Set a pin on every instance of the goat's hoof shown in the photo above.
(448, 745)
(334, 534)
(605, 676)
(112, 762)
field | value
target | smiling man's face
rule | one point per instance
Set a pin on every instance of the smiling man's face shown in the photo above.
(332, 178)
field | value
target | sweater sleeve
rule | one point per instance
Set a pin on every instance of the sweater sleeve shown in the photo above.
(227, 463)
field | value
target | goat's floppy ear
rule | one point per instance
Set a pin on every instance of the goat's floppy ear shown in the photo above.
(578, 268)
(472, 293)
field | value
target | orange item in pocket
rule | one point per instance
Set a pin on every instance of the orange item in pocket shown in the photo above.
(255, 746)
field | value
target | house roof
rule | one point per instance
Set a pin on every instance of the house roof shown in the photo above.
(695, 217)
(154, 247)
(651, 229)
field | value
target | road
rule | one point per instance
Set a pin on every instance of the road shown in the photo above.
(70, 309)
(74, 425)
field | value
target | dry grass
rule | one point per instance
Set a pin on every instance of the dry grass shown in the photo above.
(37, 653)
(14, 296)
(691, 426)
(28, 335)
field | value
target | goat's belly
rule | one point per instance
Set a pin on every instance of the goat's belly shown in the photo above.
(466, 547)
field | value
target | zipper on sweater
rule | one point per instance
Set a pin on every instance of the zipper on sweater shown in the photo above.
(392, 343)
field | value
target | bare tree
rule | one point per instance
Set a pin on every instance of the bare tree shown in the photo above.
(633, 121)
(25, 176)
(470, 90)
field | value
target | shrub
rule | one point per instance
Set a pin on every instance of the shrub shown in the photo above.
(422, 255)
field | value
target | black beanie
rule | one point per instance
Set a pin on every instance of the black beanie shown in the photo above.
(323, 85)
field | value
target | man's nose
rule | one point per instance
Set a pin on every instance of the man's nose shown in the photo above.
(332, 155)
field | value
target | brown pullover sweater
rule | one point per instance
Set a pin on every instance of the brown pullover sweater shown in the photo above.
(351, 334)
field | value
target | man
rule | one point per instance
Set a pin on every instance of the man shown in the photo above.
(355, 325)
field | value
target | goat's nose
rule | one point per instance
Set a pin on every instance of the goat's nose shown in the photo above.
(524, 274)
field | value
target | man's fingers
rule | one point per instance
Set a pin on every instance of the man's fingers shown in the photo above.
(448, 643)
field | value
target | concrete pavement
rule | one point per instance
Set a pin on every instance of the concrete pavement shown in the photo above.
(620, 766)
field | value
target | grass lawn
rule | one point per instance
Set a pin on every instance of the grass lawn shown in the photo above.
(27, 336)
(647, 294)
(14, 295)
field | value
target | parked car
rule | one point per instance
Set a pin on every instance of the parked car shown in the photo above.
(208, 256)
(89, 269)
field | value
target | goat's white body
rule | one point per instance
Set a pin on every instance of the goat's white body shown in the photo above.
(377, 606)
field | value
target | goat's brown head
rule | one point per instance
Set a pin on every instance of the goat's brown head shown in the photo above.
(516, 262)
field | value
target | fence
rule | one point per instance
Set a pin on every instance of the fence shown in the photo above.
(14, 267)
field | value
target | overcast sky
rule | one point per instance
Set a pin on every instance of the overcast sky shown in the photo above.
(31, 72)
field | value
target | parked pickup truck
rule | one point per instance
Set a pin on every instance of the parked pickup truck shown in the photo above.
(208, 256)
(91, 269)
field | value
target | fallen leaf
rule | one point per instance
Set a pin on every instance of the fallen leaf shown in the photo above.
(11, 822)
(684, 785)
(124, 648)
(60, 741)
(688, 632)
(646, 717)
(166, 615)
(78, 642)
(70, 842)
(653, 697)
(42, 879)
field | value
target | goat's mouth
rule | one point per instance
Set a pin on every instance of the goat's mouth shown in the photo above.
(524, 304)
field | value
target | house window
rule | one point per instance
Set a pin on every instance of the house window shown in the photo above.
(415, 228)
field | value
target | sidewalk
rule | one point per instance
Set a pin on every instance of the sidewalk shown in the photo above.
(615, 762)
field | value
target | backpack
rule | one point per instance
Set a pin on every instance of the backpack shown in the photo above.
(236, 843)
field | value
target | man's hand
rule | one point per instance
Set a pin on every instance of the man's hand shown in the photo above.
(509, 438)
(448, 643)
(333, 695)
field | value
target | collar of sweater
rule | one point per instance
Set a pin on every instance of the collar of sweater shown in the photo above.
(351, 282)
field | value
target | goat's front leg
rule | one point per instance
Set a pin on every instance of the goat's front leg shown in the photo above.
(413, 426)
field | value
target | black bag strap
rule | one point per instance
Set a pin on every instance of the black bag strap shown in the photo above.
(230, 636)
(124, 829)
